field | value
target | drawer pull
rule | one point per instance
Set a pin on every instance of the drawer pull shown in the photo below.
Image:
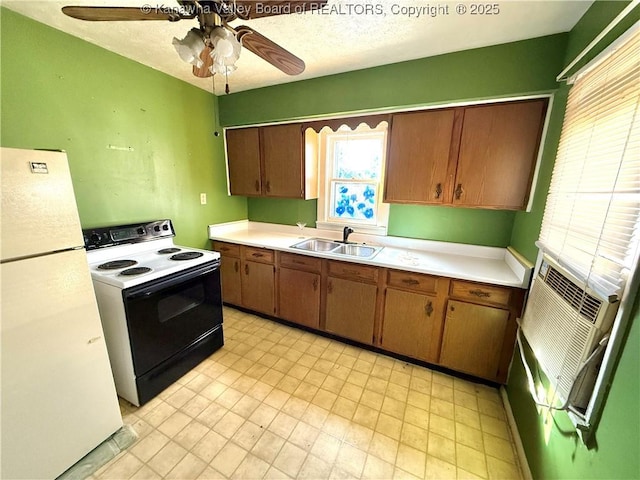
(410, 281)
(480, 293)
(257, 255)
(246, 269)
(459, 191)
(236, 266)
(438, 190)
(428, 308)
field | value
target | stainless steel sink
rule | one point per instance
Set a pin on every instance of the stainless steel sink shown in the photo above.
(356, 250)
(317, 245)
(330, 246)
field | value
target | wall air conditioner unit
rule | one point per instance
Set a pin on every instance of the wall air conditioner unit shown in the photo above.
(563, 323)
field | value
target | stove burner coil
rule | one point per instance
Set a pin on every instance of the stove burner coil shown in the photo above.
(135, 271)
(185, 256)
(117, 264)
(169, 250)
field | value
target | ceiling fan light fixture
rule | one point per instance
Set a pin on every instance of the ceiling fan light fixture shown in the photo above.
(190, 47)
(226, 51)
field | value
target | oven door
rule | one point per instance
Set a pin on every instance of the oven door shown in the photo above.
(167, 315)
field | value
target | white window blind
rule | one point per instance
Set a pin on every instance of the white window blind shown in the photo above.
(590, 223)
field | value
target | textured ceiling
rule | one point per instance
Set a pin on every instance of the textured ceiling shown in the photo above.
(347, 35)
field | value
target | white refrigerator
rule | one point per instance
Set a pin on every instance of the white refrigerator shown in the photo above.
(58, 396)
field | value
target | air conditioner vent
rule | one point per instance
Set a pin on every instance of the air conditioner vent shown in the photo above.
(580, 300)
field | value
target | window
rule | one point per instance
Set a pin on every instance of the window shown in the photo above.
(351, 179)
(590, 222)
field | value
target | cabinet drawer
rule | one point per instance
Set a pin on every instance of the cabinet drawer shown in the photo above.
(480, 293)
(353, 271)
(412, 281)
(228, 249)
(258, 255)
(300, 262)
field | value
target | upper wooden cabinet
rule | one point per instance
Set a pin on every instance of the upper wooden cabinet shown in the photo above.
(498, 152)
(418, 157)
(243, 152)
(480, 156)
(273, 161)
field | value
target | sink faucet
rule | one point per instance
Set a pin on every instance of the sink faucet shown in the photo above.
(345, 234)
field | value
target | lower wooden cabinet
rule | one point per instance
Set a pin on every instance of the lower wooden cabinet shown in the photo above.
(351, 308)
(231, 280)
(410, 322)
(465, 326)
(258, 287)
(474, 337)
(299, 297)
(248, 276)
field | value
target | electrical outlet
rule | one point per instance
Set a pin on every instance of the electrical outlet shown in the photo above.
(203, 199)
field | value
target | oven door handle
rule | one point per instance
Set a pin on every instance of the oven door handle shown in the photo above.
(148, 289)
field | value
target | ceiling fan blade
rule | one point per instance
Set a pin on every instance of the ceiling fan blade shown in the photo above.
(109, 14)
(205, 70)
(270, 51)
(250, 9)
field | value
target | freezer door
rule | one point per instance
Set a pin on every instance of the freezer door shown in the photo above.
(39, 211)
(58, 396)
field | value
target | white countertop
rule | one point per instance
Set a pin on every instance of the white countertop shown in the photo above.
(491, 265)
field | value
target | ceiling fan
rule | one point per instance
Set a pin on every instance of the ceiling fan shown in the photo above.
(214, 46)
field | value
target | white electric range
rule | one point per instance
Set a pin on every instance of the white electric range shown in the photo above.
(160, 304)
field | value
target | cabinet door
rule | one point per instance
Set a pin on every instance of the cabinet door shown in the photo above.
(351, 309)
(230, 279)
(418, 157)
(473, 338)
(410, 323)
(243, 155)
(299, 297)
(258, 287)
(283, 149)
(498, 151)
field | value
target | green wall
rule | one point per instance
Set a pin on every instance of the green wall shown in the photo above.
(59, 92)
(553, 448)
(512, 69)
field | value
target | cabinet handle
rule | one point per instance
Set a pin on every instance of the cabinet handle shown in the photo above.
(459, 191)
(257, 255)
(480, 293)
(330, 287)
(452, 308)
(438, 190)
(268, 186)
(257, 185)
(236, 266)
(246, 269)
(410, 281)
(428, 308)
(315, 284)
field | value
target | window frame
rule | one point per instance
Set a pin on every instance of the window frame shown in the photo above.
(327, 140)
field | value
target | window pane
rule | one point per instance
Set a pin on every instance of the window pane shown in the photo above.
(358, 159)
(351, 200)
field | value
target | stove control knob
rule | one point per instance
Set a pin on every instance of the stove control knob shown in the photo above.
(157, 228)
(140, 231)
(95, 238)
(165, 227)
